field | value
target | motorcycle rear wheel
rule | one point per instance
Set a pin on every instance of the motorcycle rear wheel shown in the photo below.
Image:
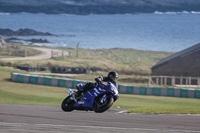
(67, 104)
(102, 107)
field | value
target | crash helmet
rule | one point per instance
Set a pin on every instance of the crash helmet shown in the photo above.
(113, 76)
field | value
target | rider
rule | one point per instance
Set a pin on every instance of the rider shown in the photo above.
(112, 77)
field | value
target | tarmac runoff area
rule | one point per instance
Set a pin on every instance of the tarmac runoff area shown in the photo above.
(51, 119)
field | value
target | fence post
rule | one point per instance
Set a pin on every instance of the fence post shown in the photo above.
(63, 54)
(150, 80)
(181, 81)
(165, 80)
(10, 51)
(186, 80)
(25, 52)
(51, 53)
(161, 80)
(173, 80)
(189, 81)
(157, 80)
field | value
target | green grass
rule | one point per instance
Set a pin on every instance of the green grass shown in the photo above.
(18, 93)
(161, 105)
(29, 94)
(133, 65)
(128, 61)
(17, 50)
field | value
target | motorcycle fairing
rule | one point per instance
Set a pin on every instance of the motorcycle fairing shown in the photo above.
(89, 96)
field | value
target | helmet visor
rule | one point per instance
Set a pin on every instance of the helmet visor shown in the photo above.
(114, 79)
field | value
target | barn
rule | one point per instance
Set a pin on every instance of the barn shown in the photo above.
(180, 68)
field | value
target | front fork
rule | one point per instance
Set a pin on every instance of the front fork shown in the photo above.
(103, 98)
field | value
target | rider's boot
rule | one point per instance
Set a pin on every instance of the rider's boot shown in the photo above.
(81, 90)
(73, 97)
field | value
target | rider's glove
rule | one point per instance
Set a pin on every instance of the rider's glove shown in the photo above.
(99, 79)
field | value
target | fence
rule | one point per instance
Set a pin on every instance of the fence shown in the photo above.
(123, 89)
(63, 54)
(16, 52)
(175, 81)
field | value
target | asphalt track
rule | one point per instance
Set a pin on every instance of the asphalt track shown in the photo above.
(51, 119)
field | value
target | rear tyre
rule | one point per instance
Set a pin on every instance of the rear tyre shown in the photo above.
(102, 107)
(67, 104)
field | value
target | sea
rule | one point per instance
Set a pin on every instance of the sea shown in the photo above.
(159, 31)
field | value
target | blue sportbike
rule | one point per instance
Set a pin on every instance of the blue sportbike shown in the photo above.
(98, 99)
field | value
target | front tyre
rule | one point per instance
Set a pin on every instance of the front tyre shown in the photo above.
(101, 107)
(67, 104)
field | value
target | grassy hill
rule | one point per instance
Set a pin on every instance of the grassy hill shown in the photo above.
(133, 65)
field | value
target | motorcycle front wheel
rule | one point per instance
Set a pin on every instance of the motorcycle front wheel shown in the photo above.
(102, 107)
(67, 104)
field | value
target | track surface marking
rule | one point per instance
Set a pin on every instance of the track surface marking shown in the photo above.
(40, 119)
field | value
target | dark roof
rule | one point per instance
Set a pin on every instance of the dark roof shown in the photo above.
(182, 53)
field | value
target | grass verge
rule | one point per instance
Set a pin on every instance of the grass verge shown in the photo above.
(133, 65)
(18, 93)
(159, 105)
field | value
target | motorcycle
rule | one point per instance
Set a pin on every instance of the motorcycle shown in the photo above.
(99, 99)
